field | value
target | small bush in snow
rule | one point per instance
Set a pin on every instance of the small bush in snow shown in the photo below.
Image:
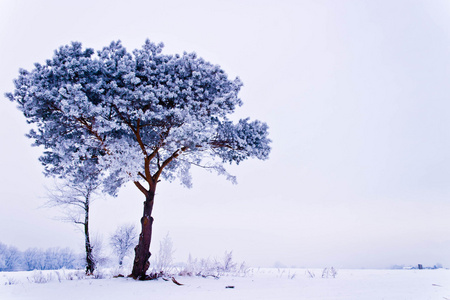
(40, 277)
(228, 265)
(99, 274)
(11, 281)
(77, 275)
(214, 267)
(329, 273)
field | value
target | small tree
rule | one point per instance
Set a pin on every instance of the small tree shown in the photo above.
(75, 196)
(142, 117)
(123, 240)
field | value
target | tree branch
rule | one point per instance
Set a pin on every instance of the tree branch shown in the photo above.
(148, 175)
(141, 188)
(167, 161)
(138, 137)
(134, 130)
(84, 123)
(223, 144)
(143, 176)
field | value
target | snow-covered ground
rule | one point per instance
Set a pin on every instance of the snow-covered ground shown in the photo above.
(258, 284)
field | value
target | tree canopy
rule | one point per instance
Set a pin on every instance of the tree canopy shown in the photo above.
(135, 116)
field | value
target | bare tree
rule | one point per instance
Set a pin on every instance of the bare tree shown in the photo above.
(75, 197)
(123, 240)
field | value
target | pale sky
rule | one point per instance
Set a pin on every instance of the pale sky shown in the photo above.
(356, 95)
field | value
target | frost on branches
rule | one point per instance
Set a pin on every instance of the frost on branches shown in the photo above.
(138, 117)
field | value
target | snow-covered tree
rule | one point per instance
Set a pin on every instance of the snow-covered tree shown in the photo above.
(123, 240)
(57, 258)
(34, 259)
(141, 117)
(10, 258)
(75, 195)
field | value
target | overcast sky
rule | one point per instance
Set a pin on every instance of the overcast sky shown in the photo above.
(356, 95)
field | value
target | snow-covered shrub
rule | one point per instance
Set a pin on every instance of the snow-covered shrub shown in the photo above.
(243, 270)
(329, 273)
(102, 274)
(214, 267)
(227, 265)
(77, 275)
(199, 267)
(11, 281)
(40, 277)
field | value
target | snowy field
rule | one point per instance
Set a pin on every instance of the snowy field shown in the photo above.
(258, 284)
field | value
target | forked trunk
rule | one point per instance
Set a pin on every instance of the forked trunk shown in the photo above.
(142, 250)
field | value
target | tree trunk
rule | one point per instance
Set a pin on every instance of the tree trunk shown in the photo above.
(90, 263)
(142, 250)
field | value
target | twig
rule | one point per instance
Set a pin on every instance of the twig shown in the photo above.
(176, 282)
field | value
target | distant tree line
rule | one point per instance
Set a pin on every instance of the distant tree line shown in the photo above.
(121, 242)
(12, 259)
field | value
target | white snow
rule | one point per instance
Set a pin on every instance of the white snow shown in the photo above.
(258, 284)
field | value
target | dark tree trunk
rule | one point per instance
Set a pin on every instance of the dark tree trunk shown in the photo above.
(90, 263)
(142, 250)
